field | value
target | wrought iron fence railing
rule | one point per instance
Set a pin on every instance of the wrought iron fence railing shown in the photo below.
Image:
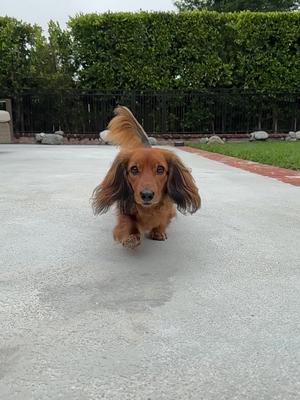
(210, 111)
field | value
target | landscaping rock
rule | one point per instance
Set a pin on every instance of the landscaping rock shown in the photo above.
(103, 136)
(152, 141)
(203, 140)
(52, 138)
(292, 134)
(215, 139)
(290, 139)
(39, 137)
(259, 135)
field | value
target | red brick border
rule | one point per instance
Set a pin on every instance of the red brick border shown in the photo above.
(281, 174)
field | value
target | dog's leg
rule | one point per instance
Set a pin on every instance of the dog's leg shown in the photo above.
(126, 232)
(158, 233)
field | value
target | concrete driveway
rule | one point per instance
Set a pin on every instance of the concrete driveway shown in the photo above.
(212, 314)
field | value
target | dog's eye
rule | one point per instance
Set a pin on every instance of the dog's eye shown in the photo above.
(134, 170)
(160, 170)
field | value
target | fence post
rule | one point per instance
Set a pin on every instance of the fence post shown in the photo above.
(295, 114)
(164, 113)
(133, 102)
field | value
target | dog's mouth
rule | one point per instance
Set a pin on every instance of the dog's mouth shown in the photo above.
(147, 203)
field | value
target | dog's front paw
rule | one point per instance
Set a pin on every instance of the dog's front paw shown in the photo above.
(156, 235)
(132, 241)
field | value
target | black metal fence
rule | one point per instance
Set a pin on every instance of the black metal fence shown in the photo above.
(206, 112)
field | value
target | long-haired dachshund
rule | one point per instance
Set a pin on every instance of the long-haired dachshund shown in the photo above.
(145, 184)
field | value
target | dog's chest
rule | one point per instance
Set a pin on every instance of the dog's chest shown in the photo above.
(149, 220)
(153, 218)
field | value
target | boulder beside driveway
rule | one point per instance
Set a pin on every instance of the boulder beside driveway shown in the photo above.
(203, 140)
(293, 136)
(215, 139)
(259, 135)
(49, 138)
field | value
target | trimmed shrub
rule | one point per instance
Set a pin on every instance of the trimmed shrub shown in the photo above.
(189, 50)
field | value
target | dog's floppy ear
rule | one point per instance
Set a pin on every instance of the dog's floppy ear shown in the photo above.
(181, 186)
(114, 188)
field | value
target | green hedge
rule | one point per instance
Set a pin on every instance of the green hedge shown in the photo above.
(189, 50)
(157, 51)
(267, 48)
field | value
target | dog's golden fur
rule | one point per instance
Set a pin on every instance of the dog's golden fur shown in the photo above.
(144, 183)
(125, 131)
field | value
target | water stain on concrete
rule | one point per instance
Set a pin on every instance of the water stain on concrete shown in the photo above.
(8, 357)
(126, 292)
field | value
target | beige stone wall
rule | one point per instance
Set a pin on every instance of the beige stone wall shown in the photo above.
(5, 128)
(5, 133)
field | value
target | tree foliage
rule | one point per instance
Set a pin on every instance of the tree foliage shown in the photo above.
(237, 5)
(29, 61)
(17, 40)
(52, 60)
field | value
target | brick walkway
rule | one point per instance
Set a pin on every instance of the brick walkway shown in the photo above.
(281, 174)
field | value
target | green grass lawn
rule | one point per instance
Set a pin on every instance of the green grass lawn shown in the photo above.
(281, 154)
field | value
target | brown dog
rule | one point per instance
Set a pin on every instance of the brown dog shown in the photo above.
(144, 183)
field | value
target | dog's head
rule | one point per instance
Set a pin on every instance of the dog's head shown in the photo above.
(145, 176)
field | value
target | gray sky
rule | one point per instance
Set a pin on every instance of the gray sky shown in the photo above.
(41, 11)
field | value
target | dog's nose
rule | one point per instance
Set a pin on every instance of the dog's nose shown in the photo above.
(147, 195)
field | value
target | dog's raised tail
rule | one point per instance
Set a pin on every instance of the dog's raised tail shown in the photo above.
(125, 131)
